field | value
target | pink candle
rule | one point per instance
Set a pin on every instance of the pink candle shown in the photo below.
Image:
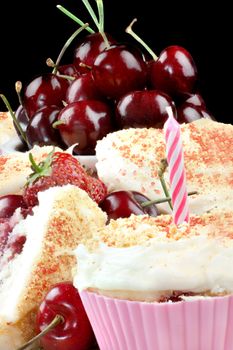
(175, 159)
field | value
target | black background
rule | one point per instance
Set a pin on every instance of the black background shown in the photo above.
(31, 31)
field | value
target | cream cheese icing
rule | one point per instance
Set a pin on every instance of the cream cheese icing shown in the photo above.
(155, 258)
(129, 160)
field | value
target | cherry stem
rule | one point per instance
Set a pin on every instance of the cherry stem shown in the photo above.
(101, 15)
(67, 77)
(74, 18)
(130, 31)
(163, 200)
(100, 7)
(81, 64)
(161, 171)
(91, 12)
(18, 88)
(50, 63)
(57, 123)
(17, 124)
(57, 319)
(67, 44)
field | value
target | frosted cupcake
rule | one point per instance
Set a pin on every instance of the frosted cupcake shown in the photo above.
(148, 284)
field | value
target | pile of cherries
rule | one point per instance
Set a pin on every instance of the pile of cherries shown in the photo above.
(107, 87)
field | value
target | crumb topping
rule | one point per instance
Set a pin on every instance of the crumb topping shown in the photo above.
(208, 156)
(139, 230)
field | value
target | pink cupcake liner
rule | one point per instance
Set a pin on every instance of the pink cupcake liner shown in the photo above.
(204, 324)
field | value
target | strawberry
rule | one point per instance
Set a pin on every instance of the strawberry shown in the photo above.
(60, 169)
(96, 189)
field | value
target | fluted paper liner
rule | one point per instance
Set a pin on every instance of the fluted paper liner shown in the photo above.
(204, 324)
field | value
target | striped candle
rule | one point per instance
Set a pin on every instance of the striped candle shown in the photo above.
(175, 159)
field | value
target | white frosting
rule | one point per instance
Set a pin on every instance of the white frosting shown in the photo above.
(120, 173)
(195, 264)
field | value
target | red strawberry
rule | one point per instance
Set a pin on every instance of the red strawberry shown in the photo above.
(96, 189)
(60, 169)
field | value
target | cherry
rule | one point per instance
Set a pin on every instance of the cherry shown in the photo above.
(121, 204)
(22, 118)
(75, 332)
(174, 72)
(68, 69)
(90, 48)
(40, 129)
(84, 122)
(45, 90)
(83, 88)
(143, 109)
(9, 203)
(119, 70)
(189, 112)
(195, 100)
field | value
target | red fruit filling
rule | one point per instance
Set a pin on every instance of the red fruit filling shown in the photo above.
(175, 297)
(10, 245)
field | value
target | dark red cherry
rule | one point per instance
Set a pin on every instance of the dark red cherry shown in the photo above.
(195, 100)
(83, 88)
(151, 210)
(174, 72)
(187, 113)
(122, 204)
(9, 203)
(90, 48)
(40, 129)
(22, 118)
(119, 70)
(45, 90)
(84, 122)
(74, 332)
(68, 69)
(143, 109)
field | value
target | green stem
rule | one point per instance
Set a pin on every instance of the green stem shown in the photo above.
(101, 15)
(100, 7)
(91, 12)
(18, 126)
(74, 18)
(105, 39)
(67, 44)
(130, 31)
(57, 319)
(162, 168)
(163, 200)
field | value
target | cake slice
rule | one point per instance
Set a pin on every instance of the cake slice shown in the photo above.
(129, 160)
(38, 253)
